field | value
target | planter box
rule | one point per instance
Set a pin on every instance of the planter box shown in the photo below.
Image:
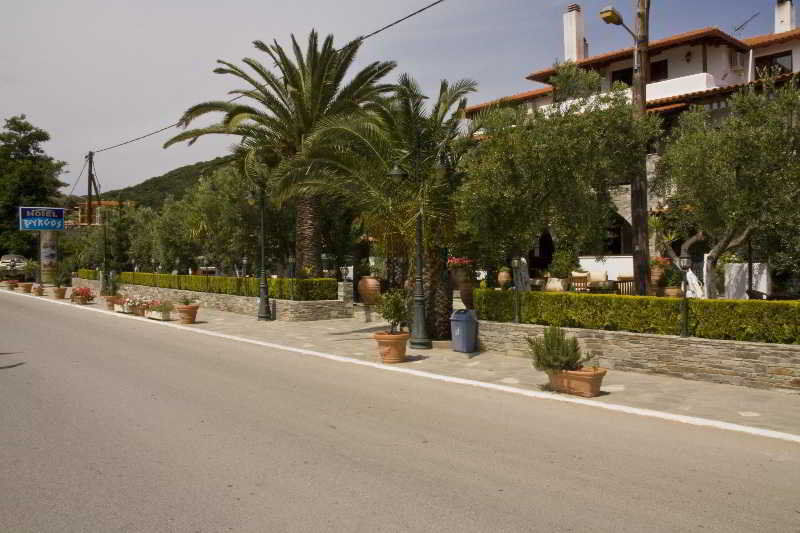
(585, 382)
(556, 284)
(120, 308)
(165, 316)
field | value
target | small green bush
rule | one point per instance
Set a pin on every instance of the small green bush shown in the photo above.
(393, 308)
(741, 320)
(553, 351)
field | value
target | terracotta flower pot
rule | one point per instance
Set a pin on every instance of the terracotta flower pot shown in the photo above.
(504, 278)
(38, 291)
(12, 285)
(110, 301)
(584, 382)
(59, 293)
(139, 310)
(80, 300)
(556, 285)
(673, 292)
(369, 290)
(187, 313)
(392, 346)
(465, 289)
(26, 287)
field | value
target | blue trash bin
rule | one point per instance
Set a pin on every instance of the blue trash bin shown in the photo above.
(464, 330)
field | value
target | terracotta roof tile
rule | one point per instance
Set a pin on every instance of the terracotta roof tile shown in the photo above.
(761, 41)
(513, 99)
(660, 44)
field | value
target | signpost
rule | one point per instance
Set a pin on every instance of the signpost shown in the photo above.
(45, 220)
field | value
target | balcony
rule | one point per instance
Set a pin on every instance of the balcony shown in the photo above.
(678, 86)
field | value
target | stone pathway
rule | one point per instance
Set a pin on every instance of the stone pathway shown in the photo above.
(768, 409)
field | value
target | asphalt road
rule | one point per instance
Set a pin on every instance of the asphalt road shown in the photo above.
(109, 424)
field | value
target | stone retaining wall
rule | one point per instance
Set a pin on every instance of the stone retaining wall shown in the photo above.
(289, 310)
(752, 364)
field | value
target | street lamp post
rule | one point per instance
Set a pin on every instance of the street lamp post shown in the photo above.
(641, 69)
(263, 287)
(685, 264)
(419, 331)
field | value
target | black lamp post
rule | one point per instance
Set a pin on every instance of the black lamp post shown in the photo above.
(419, 332)
(685, 264)
(263, 287)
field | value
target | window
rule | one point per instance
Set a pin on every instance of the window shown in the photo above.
(781, 62)
(659, 71)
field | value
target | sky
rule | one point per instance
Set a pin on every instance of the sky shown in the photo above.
(94, 73)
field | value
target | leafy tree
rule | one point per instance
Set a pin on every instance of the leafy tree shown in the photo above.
(553, 168)
(286, 107)
(28, 176)
(728, 179)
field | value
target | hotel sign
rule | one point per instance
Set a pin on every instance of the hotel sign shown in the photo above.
(41, 218)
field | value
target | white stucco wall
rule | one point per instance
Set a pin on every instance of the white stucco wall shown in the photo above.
(615, 265)
(736, 280)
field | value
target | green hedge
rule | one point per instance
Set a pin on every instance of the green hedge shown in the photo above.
(280, 288)
(741, 320)
(85, 273)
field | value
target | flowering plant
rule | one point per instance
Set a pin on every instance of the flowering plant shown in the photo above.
(84, 292)
(663, 262)
(455, 262)
(136, 301)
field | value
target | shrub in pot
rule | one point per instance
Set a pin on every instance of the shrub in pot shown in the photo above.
(560, 357)
(187, 310)
(564, 262)
(504, 277)
(671, 282)
(160, 310)
(12, 284)
(38, 290)
(393, 308)
(26, 287)
(60, 279)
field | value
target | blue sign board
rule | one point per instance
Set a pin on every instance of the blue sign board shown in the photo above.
(41, 218)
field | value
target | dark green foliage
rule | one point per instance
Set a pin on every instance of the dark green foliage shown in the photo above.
(394, 309)
(175, 183)
(564, 262)
(553, 351)
(28, 177)
(672, 277)
(280, 288)
(741, 320)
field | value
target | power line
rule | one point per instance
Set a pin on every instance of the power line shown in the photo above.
(78, 178)
(360, 39)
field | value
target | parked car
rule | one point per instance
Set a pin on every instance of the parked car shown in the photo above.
(12, 262)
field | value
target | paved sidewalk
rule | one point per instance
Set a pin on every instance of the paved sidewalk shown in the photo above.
(768, 409)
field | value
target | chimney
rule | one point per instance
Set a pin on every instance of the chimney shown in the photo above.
(784, 16)
(575, 46)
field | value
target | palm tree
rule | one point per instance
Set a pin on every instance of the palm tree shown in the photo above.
(285, 107)
(427, 143)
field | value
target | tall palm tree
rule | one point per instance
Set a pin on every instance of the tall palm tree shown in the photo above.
(426, 141)
(286, 106)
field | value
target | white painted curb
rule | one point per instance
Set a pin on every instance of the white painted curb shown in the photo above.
(692, 420)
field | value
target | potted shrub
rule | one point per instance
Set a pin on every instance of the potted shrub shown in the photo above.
(560, 357)
(122, 305)
(38, 289)
(82, 295)
(110, 293)
(137, 305)
(504, 277)
(369, 287)
(657, 267)
(671, 282)
(59, 280)
(160, 310)
(392, 344)
(12, 284)
(564, 262)
(26, 286)
(187, 310)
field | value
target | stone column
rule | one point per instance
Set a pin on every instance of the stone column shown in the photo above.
(48, 255)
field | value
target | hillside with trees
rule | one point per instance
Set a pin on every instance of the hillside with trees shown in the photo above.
(175, 183)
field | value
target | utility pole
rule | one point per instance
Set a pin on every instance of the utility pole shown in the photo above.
(639, 211)
(89, 183)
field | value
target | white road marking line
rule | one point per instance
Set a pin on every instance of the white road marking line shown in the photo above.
(650, 413)
(748, 413)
